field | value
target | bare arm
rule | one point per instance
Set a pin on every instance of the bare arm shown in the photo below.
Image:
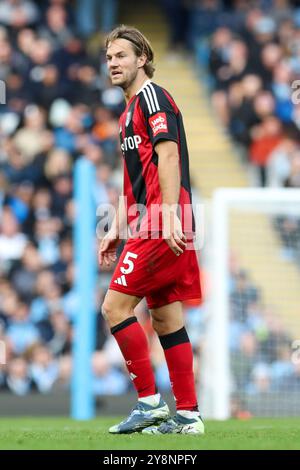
(168, 171)
(169, 181)
(117, 232)
(119, 223)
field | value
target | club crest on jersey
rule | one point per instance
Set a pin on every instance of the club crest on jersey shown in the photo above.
(158, 123)
(128, 118)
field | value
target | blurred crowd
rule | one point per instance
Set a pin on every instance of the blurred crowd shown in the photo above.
(251, 52)
(260, 345)
(59, 106)
(254, 67)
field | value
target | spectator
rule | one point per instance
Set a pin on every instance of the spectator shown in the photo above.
(261, 380)
(18, 13)
(293, 180)
(292, 381)
(243, 294)
(54, 87)
(243, 361)
(18, 380)
(20, 199)
(90, 14)
(266, 137)
(60, 333)
(28, 139)
(44, 369)
(282, 368)
(24, 275)
(46, 238)
(56, 30)
(279, 163)
(21, 333)
(12, 240)
(107, 380)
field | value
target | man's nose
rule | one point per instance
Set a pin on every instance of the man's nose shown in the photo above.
(114, 62)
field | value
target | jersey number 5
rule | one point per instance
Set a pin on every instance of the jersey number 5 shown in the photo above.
(127, 261)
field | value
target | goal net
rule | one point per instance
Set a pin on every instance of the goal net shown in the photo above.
(251, 353)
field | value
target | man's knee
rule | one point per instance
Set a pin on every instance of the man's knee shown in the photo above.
(165, 324)
(160, 325)
(115, 314)
(105, 310)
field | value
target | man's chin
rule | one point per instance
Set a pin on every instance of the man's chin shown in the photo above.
(118, 81)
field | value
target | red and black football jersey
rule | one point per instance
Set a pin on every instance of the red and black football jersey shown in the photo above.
(150, 117)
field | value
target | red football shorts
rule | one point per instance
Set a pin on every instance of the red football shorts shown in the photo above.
(149, 268)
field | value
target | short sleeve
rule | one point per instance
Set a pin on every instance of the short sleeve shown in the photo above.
(159, 114)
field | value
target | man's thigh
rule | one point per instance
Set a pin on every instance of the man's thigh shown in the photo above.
(143, 267)
(120, 300)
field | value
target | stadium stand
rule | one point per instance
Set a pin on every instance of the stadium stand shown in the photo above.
(59, 106)
(249, 53)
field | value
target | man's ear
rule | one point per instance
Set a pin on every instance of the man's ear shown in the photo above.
(141, 61)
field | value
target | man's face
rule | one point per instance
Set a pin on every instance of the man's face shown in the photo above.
(122, 63)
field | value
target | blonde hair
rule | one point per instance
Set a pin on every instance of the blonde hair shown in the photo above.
(140, 44)
(58, 161)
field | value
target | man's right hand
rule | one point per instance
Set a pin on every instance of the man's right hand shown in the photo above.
(172, 232)
(107, 252)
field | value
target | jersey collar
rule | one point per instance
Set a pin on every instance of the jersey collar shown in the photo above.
(143, 86)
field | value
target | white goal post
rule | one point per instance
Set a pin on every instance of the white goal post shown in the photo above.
(248, 225)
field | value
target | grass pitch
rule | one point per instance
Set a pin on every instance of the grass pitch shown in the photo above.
(63, 433)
